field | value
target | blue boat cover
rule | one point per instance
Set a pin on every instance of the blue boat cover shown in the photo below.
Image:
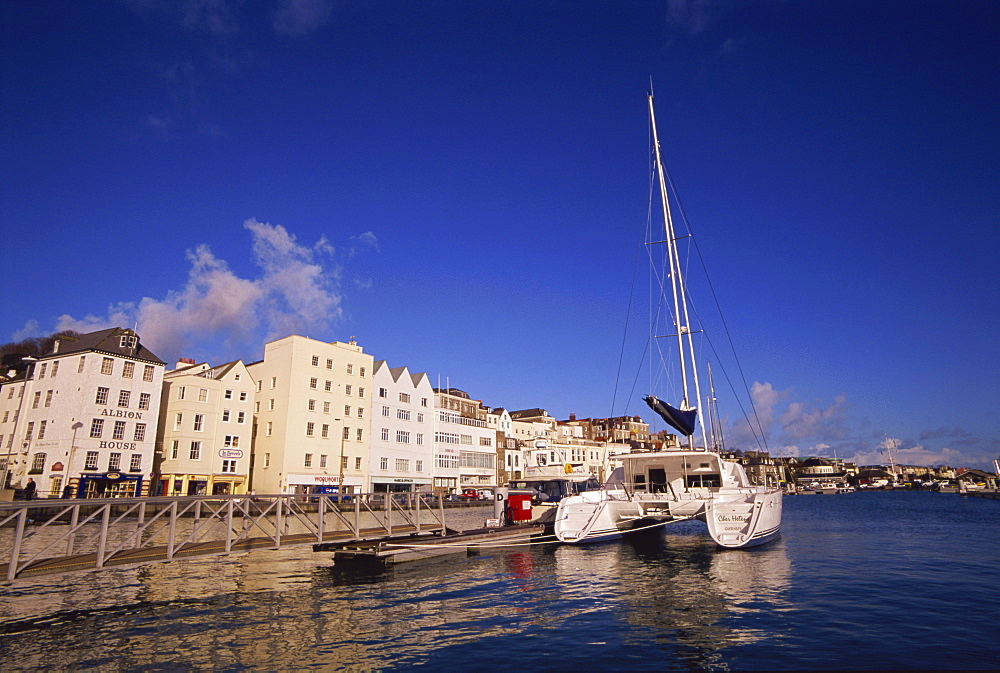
(682, 421)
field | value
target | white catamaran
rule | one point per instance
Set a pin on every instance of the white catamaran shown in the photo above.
(658, 486)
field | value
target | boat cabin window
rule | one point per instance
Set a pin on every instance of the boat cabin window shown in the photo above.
(640, 482)
(704, 481)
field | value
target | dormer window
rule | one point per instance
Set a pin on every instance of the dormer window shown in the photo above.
(128, 341)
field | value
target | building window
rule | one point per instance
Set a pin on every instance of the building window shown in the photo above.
(38, 464)
(350, 369)
(107, 365)
(114, 462)
(423, 401)
(195, 453)
(83, 361)
(229, 394)
(420, 466)
(119, 431)
(174, 446)
(357, 463)
(31, 430)
(361, 412)
(322, 460)
(91, 461)
(41, 370)
(384, 463)
(420, 418)
(41, 429)
(326, 431)
(347, 390)
(202, 394)
(385, 434)
(270, 427)
(180, 392)
(231, 441)
(403, 414)
(274, 381)
(402, 465)
(96, 428)
(360, 434)
(147, 373)
(102, 396)
(55, 367)
(241, 417)
(312, 405)
(385, 411)
(140, 432)
(308, 460)
(199, 421)
(37, 399)
(127, 369)
(229, 466)
(225, 415)
(329, 363)
(313, 382)
(144, 400)
(326, 407)
(123, 398)
(267, 460)
(315, 361)
(135, 463)
(309, 429)
(382, 392)
(243, 394)
(178, 421)
(362, 371)
(128, 341)
(402, 437)
(270, 404)
(328, 386)
(361, 392)
(347, 432)
(404, 398)
(420, 440)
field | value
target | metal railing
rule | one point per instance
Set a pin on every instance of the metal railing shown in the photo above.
(49, 536)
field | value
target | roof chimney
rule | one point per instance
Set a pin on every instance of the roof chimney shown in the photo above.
(572, 417)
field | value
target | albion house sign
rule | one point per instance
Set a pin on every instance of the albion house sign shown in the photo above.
(120, 413)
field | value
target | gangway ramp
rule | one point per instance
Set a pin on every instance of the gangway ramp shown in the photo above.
(45, 537)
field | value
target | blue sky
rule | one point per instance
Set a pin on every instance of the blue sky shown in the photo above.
(462, 186)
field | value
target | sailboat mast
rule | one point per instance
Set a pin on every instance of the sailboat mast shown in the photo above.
(676, 285)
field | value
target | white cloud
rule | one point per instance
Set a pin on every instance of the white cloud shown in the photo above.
(299, 17)
(218, 314)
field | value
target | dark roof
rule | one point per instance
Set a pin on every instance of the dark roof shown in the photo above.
(104, 341)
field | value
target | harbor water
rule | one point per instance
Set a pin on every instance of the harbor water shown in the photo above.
(868, 580)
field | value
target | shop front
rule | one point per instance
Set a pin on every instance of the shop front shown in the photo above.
(309, 484)
(110, 485)
(400, 485)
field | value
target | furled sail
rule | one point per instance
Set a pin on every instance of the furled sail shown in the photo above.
(682, 421)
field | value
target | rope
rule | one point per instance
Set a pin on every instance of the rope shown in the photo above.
(544, 539)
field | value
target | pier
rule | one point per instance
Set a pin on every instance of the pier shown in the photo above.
(44, 537)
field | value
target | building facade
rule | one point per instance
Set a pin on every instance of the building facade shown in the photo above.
(312, 417)
(205, 429)
(82, 421)
(402, 441)
(464, 443)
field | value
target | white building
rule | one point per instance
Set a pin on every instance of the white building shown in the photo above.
(84, 421)
(312, 416)
(402, 442)
(464, 443)
(205, 429)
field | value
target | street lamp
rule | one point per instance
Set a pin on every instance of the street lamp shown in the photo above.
(17, 423)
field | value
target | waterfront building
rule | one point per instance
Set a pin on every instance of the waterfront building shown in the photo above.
(402, 442)
(464, 443)
(205, 429)
(509, 455)
(312, 416)
(81, 420)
